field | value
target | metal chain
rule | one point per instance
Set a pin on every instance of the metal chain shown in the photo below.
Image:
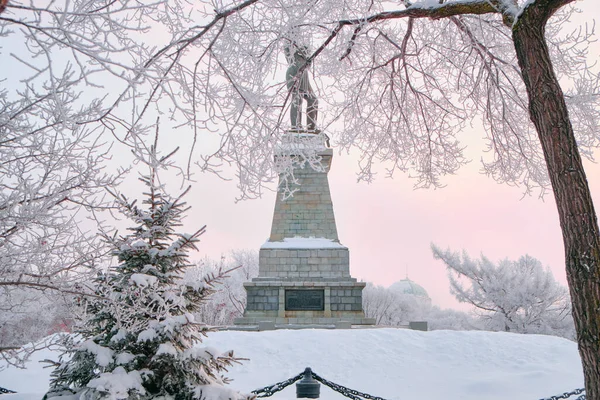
(350, 393)
(566, 395)
(268, 391)
(6, 391)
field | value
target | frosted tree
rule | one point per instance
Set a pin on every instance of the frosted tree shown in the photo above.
(389, 307)
(27, 318)
(55, 140)
(378, 303)
(392, 308)
(450, 319)
(397, 84)
(139, 335)
(53, 169)
(52, 187)
(229, 300)
(514, 296)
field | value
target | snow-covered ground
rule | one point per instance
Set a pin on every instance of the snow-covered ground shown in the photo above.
(390, 363)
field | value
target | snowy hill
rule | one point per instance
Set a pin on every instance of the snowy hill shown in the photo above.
(395, 364)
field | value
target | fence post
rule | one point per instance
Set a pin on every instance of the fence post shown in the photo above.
(308, 388)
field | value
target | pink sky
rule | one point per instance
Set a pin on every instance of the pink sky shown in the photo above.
(388, 226)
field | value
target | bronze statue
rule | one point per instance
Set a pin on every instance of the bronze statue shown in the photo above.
(299, 86)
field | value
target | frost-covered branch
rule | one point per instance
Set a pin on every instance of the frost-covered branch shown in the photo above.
(397, 84)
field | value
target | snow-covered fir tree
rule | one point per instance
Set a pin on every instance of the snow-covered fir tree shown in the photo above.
(138, 334)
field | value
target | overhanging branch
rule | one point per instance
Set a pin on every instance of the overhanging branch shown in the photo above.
(450, 9)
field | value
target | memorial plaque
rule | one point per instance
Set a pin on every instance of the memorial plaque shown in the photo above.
(304, 300)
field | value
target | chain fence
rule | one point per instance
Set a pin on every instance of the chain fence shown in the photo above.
(344, 391)
(268, 391)
(567, 395)
(6, 391)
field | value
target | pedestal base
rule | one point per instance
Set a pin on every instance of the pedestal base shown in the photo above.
(326, 303)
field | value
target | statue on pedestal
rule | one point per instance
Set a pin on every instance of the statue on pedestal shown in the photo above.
(299, 86)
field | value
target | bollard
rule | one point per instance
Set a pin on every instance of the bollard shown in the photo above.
(418, 325)
(308, 388)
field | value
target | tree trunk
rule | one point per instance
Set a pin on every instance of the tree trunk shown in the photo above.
(581, 237)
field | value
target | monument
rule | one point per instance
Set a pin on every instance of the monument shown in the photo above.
(298, 84)
(304, 275)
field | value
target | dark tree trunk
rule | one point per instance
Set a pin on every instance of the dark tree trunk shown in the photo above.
(578, 222)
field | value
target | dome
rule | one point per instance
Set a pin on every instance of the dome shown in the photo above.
(406, 286)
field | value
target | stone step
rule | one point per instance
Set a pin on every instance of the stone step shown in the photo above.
(304, 321)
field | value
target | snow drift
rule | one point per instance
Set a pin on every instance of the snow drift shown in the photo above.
(395, 364)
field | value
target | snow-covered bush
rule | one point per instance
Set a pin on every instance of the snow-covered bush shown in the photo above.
(393, 308)
(138, 334)
(453, 320)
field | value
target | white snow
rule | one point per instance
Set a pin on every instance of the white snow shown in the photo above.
(104, 355)
(147, 335)
(303, 243)
(166, 348)
(307, 143)
(118, 383)
(143, 280)
(140, 244)
(171, 323)
(426, 4)
(202, 353)
(121, 334)
(215, 392)
(396, 364)
(124, 358)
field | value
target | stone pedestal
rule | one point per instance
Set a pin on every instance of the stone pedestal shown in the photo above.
(304, 275)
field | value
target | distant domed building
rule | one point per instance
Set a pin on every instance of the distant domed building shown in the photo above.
(411, 288)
